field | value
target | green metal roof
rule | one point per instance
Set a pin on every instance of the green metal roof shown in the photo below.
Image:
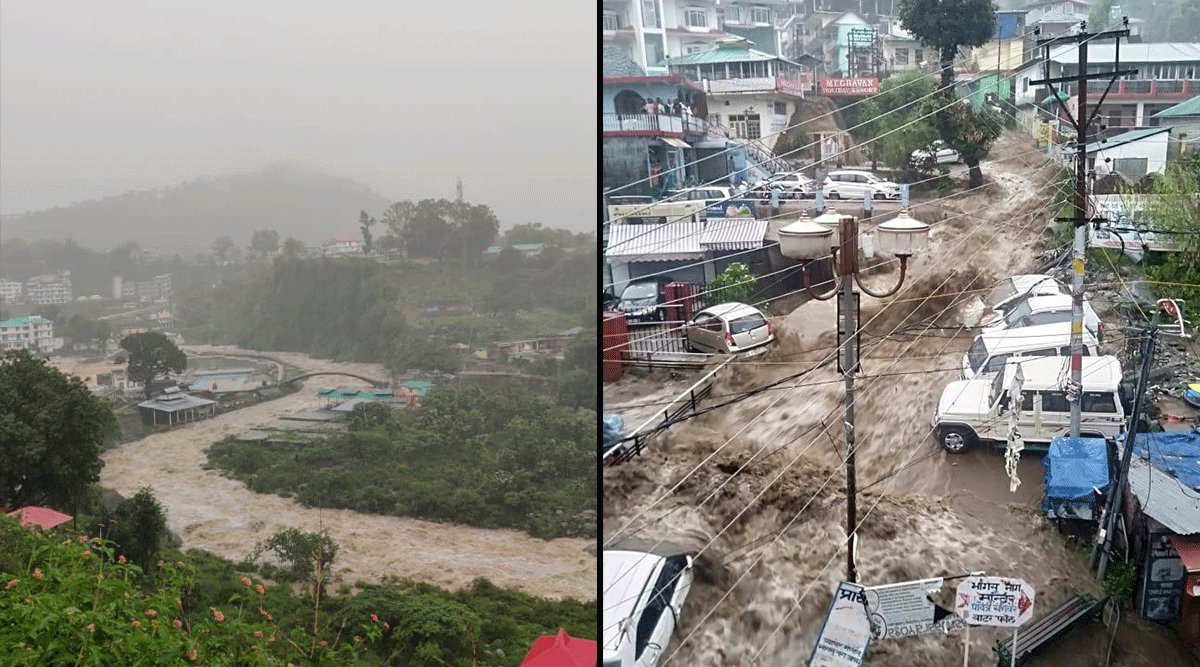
(723, 54)
(23, 321)
(1186, 108)
(1125, 138)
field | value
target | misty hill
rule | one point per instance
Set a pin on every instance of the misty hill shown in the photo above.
(186, 218)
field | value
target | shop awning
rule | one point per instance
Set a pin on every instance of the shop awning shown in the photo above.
(1188, 549)
(677, 143)
(667, 242)
(734, 234)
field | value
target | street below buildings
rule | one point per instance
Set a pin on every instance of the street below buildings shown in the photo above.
(217, 514)
(761, 486)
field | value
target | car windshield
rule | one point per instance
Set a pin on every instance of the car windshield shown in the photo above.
(977, 355)
(1004, 290)
(997, 387)
(747, 323)
(639, 291)
(1017, 311)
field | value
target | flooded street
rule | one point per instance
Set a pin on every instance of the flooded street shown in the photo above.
(768, 509)
(221, 515)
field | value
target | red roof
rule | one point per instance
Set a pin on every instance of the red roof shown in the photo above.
(561, 650)
(44, 517)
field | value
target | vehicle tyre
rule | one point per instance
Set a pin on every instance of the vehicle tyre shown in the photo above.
(879, 196)
(956, 439)
(834, 195)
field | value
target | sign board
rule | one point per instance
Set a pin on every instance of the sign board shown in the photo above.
(905, 610)
(1162, 580)
(846, 633)
(850, 86)
(789, 87)
(655, 213)
(995, 601)
(734, 208)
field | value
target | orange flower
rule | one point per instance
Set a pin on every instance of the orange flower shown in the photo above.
(324, 643)
(357, 639)
(91, 627)
(137, 623)
(246, 581)
(83, 539)
(220, 618)
(192, 655)
(258, 588)
(37, 574)
(177, 623)
(263, 612)
(12, 584)
(151, 613)
(374, 618)
(86, 553)
(121, 559)
(258, 634)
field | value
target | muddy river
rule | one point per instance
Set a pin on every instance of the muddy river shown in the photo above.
(927, 513)
(221, 515)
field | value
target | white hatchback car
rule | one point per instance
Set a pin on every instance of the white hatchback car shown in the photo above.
(853, 184)
(643, 596)
(729, 328)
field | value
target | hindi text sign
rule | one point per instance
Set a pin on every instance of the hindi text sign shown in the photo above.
(995, 601)
(846, 634)
(905, 610)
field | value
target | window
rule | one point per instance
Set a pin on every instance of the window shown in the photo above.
(650, 14)
(1052, 317)
(695, 17)
(745, 126)
(1099, 401)
(660, 600)
(1132, 168)
(611, 21)
(733, 15)
(901, 57)
(695, 47)
(996, 363)
(761, 15)
(747, 323)
(1054, 401)
(780, 108)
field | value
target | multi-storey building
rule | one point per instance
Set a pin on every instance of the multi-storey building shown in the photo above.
(651, 31)
(33, 333)
(11, 291)
(155, 290)
(49, 289)
(343, 246)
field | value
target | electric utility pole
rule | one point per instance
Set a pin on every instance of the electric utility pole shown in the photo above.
(1112, 507)
(1082, 122)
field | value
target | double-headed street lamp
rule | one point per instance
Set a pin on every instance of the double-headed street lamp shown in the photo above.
(837, 235)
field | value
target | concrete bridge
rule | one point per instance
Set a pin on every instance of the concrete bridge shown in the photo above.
(305, 376)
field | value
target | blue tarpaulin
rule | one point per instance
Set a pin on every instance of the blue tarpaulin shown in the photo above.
(1175, 453)
(1075, 469)
(614, 430)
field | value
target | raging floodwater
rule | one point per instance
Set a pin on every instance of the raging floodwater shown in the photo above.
(940, 515)
(221, 515)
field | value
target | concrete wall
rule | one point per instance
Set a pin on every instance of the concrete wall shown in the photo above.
(625, 160)
(1154, 149)
(734, 105)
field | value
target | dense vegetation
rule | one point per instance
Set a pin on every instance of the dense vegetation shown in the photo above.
(496, 459)
(76, 599)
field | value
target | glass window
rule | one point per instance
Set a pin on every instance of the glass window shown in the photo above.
(733, 14)
(747, 323)
(650, 14)
(901, 57)
(702, 318)
(660, 599)
(977, 355)
(996, 363)
(753, 127)
(1054, 401)
(611, 21)
(780, 108)
(640, 291)
(1051, 317)
(695, 17)
(695, 47)
(1099, 401)
(761, 14)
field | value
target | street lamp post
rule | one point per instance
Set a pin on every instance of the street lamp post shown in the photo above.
(838, 236)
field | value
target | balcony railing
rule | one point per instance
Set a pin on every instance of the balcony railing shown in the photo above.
(1165, 88)
(645, 123)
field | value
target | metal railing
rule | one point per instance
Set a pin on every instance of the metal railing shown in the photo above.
(663, 123)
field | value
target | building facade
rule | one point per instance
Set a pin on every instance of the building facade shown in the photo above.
(155, 290)
(49, 289)
(11, 291)
(651, 31)
(33, 333)
(342, 246)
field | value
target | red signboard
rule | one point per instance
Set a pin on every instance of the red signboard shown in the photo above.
(789, 87)
(850, 86)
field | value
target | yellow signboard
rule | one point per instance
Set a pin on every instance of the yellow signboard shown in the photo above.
(688, 211)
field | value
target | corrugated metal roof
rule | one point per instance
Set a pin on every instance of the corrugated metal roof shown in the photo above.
(723, 54)
(175, 403)
(734, 234)
(1133, 54)
(1126, 138)
(655, 243)
(1186, 108)
(1164, 499)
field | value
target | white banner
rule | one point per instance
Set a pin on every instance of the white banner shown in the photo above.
(905, 610)
(846, 634)
(995, 601)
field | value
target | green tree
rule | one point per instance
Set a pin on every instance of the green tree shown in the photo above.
(895, 115)
(305, 553)
(141, 525)
(365, 223)
(973, 132)
(735, 283)
(1175, 206)
(222, 249)
(265, 242)
(51, 432)
(151, 355)
(293, 248)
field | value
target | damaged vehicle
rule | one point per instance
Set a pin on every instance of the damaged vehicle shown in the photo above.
(649, 591)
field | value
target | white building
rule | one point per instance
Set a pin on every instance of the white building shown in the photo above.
(49, 289)
(1132, 154)
(343, 246)
(33, 333)
(650, 31)
(11, 291)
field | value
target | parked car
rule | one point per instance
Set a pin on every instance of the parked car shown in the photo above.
(643, 597)
(643, 299)
(709, 194)
(992, 349)
(794, 185)
(730, 328)
(1050, 309)
(937, 151)
(974, 411)
(1006, 292)
(854, 184)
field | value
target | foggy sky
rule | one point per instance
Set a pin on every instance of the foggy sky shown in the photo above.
(98, 97)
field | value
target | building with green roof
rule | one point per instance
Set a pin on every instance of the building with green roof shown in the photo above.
(1184, 119)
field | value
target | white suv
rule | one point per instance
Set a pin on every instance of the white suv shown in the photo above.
(1036, 310)
(851, 184)
(973, 411)
(643, 595)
